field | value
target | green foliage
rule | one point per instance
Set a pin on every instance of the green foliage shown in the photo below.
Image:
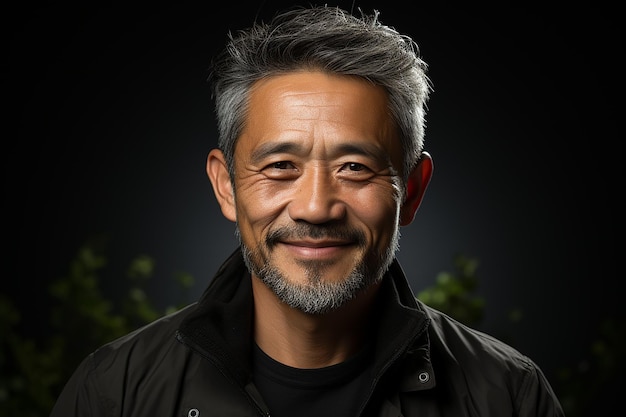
(598, 378)
(33, 371)
(581, 386)
(453, 294)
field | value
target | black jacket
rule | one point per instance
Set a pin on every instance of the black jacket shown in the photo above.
(196, 363)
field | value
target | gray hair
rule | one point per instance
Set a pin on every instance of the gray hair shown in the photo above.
(328, 39)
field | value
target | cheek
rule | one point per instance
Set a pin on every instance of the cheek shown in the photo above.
(258, 204)
(378, 211)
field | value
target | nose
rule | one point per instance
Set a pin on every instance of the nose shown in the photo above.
(317, 197)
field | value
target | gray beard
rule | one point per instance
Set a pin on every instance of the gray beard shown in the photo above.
(318, 296)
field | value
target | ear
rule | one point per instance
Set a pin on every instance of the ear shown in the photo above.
(217, 171)
(416, 187)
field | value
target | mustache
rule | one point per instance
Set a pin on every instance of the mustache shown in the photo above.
(314, 231)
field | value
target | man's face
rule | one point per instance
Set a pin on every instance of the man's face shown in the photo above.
(317, 187)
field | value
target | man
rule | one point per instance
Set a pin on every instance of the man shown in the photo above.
(320, 161)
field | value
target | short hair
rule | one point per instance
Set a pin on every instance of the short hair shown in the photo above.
(327, 39)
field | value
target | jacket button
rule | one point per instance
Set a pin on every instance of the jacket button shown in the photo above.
(423, 377)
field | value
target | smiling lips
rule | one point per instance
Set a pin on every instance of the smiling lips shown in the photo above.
(316, 249)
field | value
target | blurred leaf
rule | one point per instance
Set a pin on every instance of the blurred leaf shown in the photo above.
(453, 292)
(141, 267)
(33, 371)
(598, 377)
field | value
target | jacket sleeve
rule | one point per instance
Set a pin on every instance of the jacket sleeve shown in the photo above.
(536, 397)
(79, 397)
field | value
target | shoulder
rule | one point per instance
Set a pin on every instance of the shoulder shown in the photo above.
(146, 357)
(465, 354)
(467, 344)
(143, 343)
(137, 353)
(481, 365)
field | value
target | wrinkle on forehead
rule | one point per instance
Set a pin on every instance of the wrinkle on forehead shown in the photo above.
(321, 110)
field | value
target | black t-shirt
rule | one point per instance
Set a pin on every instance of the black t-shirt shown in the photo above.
(338, 390)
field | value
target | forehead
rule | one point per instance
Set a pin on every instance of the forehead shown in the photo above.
(316, 107)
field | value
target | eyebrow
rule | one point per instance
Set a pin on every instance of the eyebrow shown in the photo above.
(366, 149)
(271, 148)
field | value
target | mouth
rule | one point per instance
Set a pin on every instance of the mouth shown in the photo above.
(316, 249)
(316, 243)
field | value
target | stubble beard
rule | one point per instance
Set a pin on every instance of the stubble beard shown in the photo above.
(317, 295)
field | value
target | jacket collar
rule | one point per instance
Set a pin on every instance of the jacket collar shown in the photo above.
(403, 345)
(220, 327)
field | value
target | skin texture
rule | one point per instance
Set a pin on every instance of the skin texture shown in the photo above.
(317, 199)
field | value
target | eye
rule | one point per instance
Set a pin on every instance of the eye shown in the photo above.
(355, 171)
(355, 166)
(281, 165)
(281, 170)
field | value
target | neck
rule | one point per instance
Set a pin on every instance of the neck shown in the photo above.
(309, 341)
